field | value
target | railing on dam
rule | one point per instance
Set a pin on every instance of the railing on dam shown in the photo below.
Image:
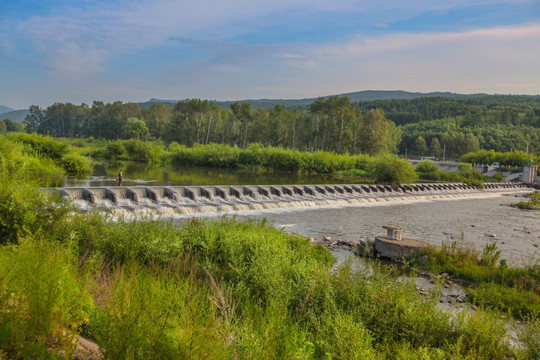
(190, 199)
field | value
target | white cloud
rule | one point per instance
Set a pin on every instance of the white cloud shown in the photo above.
(496, 60)
(84, 39)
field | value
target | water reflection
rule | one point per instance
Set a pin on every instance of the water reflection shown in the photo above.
(105, 173)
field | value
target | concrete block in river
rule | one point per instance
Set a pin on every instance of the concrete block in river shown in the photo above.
(398, 249)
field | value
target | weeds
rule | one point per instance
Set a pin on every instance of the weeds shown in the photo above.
(43, 301)
(498, 286)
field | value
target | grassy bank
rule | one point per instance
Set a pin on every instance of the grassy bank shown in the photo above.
(216, 289)
(496, 285)
(74, 156)
(532, 204)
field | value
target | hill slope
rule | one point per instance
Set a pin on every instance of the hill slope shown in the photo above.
(5, 109)
(15, 115)
(366, 95)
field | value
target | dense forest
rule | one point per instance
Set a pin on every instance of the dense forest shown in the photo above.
(500, 123)
(436, 126)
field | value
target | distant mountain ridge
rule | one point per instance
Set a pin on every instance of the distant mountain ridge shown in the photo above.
(15, 115)
(364, 95)
(5, 109)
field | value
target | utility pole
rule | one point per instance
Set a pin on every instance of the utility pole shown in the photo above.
(406, 153)
(527, 149)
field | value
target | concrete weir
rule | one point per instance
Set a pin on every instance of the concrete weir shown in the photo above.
(185, 200)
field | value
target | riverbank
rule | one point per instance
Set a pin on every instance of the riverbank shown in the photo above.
(532, 204)
(247, 289)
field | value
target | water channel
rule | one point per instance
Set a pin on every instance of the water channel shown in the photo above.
(104, 174)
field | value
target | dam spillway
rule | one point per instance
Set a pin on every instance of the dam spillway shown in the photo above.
(185, 200)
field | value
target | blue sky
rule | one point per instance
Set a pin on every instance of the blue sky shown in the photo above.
(132, 50)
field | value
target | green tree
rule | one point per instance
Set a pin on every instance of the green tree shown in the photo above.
(379, 135)
(156, 119)
(391, 169)
(468, 172)
(242, 113)
(33, 120)
(435, 147)
(135, 129)
(420, 146)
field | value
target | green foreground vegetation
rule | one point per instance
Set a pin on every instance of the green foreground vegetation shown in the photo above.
(215, 289)
(495, 285)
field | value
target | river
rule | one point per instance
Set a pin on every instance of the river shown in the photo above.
(472, 222)
(104, 174)
(469, 221)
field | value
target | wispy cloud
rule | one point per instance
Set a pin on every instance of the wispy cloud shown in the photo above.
(85, 38)
(244, 48)
(363, 45)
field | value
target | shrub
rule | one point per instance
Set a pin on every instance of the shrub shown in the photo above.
(266, 157)
(76, 164)
(426, 166)
(114, 150)
(254, 156)
(43, 145)
(216, 155)
(24, 210)
(143, 151)
(391, 169)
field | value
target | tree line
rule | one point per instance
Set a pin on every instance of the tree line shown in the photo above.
(331, 124)
(440, 127)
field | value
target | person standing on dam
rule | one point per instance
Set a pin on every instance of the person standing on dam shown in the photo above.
(120, 178)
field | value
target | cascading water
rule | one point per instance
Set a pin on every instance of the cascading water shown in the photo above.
(186, 200)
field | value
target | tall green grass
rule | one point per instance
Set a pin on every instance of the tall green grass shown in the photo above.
(43, 299)
(509, 289)
(258, 156)
(51, 153)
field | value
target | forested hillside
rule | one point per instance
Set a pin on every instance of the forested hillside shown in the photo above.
(428, 125)
(422, 126)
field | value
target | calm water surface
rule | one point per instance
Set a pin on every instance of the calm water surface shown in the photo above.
(104, 174)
